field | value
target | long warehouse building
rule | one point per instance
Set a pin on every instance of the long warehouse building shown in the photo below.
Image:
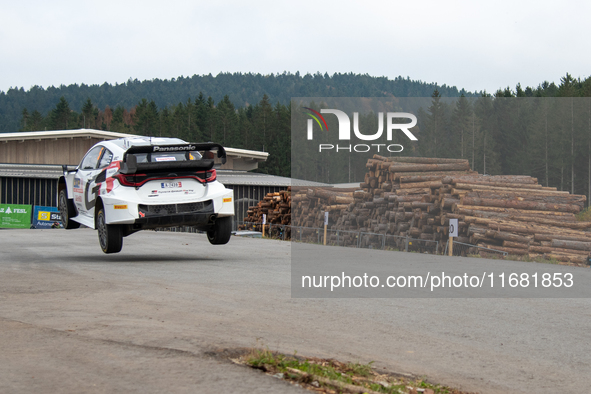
(31, 164)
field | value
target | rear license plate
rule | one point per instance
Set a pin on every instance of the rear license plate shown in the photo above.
(169, 185)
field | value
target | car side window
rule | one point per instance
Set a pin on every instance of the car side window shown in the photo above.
(90, 161)
(106, 159)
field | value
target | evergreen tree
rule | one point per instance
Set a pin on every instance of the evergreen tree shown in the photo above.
(60, 116)
(146, 119)
(461, 123)
(434, 139)
(227, 122)
(88, 115)
(24, 120)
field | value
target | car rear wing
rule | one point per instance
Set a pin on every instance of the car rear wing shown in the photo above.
(130, 164)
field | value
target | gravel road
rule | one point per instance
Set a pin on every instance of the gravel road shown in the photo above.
(151, 318)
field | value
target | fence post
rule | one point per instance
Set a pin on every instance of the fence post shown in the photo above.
(406, 243)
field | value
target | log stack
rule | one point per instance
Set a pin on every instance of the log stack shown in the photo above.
(416, 197)
(277, 207)
(517, 215)
(394, 199)
(411, 197)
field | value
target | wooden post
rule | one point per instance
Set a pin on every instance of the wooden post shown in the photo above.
(264, 222)
(451, 246)
(325, 226)
(453, 232)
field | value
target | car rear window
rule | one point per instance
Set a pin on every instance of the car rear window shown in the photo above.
(167, 156)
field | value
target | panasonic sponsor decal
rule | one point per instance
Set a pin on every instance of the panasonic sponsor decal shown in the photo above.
(174, 148)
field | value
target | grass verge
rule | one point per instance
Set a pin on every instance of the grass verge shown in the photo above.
(332, 376)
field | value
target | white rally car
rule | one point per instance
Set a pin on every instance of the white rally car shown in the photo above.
(131, 184)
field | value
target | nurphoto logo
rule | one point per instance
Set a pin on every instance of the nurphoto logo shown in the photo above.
(344, 131)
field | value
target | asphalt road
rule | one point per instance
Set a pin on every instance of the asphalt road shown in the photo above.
(151, 318)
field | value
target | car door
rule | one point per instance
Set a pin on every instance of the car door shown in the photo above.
(85, 188)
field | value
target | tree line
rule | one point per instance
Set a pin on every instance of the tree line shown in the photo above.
(245, 89)
(543, 132)
(261, 127)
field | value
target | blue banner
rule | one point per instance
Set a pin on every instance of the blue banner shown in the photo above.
(46, 217)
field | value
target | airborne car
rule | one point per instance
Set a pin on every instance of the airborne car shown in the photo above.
(130, 184)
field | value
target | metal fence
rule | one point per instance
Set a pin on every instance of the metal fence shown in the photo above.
(357, 239)
(463, 249)
(344, 238)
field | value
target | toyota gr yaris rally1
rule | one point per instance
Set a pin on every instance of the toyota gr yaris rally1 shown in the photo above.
(126, 185)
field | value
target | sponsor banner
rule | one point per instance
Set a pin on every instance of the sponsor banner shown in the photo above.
(15, 216)
(46, 217)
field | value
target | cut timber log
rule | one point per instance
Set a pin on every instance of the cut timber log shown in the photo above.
(529, 195)
(511, 210)
(525, 220)
(428, 184)
(496, 186)
(420, 160)
(556, 243)
(464, 166)
(565, 237)
(420, 178)
(526, 205)
(396, 176)
(505, 236)
(549, 249)
(475, 179)
(511, 244)
(531, 229)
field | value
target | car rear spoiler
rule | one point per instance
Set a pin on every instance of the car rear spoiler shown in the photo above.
(131, 166)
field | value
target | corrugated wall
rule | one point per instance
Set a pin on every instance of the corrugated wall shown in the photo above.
(28, 191)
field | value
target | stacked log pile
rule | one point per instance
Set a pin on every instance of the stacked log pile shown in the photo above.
(277, 207)
(416, 197)
(394, 199)
(517, 215)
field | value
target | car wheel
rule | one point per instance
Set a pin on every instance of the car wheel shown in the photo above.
(110, 235)
(221, 231)
(67, 210)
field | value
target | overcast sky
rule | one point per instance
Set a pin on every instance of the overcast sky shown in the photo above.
(474, 45)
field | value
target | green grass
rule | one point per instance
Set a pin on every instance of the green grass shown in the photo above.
(584, 215)
(331, 375)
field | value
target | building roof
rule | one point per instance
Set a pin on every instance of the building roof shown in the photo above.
(237, 159)
(257, 179)
(55, 134)
(42, 171)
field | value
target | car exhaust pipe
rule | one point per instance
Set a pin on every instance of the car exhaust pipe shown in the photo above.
(212, 219)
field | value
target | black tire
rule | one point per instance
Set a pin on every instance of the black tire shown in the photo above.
(221, 231)
(67, 211)
(110, 235)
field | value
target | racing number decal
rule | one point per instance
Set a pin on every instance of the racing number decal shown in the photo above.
(93, 193)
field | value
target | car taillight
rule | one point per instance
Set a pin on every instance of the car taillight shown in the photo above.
(131, 180)
(206, 176)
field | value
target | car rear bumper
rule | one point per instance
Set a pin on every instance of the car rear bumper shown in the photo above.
(169, 214)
